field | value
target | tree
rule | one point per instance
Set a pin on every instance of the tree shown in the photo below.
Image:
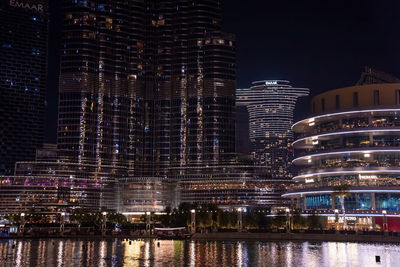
(314, 221)
(279, 220)
(299, 222)
(341, 191)
(115, 218)
(166, 219)
(226, 219)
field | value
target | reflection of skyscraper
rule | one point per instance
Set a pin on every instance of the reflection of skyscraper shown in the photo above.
(271, 105)
(23, 75)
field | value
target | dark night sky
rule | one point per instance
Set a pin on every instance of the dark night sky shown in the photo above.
(316, 44)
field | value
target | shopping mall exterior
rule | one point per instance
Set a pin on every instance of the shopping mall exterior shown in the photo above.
(350, 150)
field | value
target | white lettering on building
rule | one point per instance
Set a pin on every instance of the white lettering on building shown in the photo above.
(348, 218)
(367, 176)
(271, 82)
(38, 7)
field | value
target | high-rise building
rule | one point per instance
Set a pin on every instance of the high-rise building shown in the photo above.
(147, 93)
(101, 79)
(146, 86)
(23, 75)
(270, 106)
(156, 89)
(348, 155)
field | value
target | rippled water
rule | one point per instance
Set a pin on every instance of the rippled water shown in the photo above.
(117, 252)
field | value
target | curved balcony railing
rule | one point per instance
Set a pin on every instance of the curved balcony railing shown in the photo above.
(377, 167)
(350, 212)
(328, 188)
(345, 127)
(303, 156)
(350, 134)
(346, 171)
(349, 118)
(339, 147)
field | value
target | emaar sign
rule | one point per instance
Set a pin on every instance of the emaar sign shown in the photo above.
(271, 82)
(38, 7)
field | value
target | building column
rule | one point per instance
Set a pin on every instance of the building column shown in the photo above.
(373, 223)
(373, 204)
(373, 207)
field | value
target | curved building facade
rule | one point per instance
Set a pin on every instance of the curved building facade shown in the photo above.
(349, 155)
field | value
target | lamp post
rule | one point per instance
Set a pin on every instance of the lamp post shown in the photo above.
(193, 221)
(288, 228)
(148, 213)
(104, 224)
(62, 223)
(22, 225)
(385, 225)
(240, 219)
(336, 219)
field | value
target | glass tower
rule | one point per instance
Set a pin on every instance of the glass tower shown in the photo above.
(271, 105)
(23, 78)
(146, 86)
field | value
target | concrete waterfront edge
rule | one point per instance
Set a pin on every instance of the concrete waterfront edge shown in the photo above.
(297, 237)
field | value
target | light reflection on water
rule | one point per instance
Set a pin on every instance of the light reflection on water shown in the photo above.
(150, 252)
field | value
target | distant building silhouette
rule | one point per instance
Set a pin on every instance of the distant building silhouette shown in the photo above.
(23, 80)
(372, 76)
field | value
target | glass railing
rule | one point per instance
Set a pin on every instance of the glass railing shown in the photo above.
(317, 129)
(329, 185)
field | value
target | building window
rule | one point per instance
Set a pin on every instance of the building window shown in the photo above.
(323, 104)
(355, 99)
(337, 102)
(397, 97)
(376, 97)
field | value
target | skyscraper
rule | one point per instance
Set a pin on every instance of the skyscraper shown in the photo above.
(271, 106)
(146, 86)
(23, 75)
(101, 79)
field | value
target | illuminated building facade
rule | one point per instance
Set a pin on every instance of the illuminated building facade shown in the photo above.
(148, 93)
(48, 186)
(23, 80)
(145, 88)
(349, 150)
(271, 105)
(236, 184)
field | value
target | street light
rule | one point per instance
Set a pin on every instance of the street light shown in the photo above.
(240, 219)
(104, 224)
(62, 223)
(336, 219)
(287, 219)
(148, 213)
(385, 225)
(22, 226)
(193, 221)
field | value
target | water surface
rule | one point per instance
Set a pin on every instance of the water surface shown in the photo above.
(150, 252)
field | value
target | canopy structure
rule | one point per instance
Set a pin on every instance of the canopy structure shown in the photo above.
(170, 229)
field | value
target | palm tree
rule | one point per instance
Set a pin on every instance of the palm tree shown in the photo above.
(342, 191)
